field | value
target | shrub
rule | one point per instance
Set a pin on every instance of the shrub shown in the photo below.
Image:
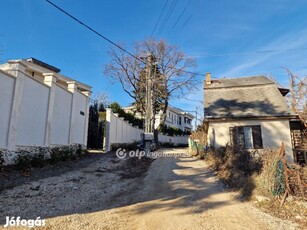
(202, 155)
(182, 145)
(166, 144)
(23, 160)
(235, 167)
(272, 181)
(62, 153)
(38, 160)
(171, 131)
(1, 158)
(127, 146)
(116, 108)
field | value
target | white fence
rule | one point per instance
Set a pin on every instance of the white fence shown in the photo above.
(40, 113)
(175, 139)
(119, 131)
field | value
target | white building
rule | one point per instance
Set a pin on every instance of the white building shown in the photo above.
(175, 118)
(41, 107)
(250, 111)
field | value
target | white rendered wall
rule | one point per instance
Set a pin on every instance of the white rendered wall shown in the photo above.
(273, 132)
(79, 120)
(7, 84)
(61, 117)
(36, 113)
(120, 131)
(31, 128)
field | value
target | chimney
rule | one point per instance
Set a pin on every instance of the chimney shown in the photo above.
(208, 78)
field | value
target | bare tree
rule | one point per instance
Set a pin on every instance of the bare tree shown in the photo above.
(102, 99)
(298, 95)
(172, 76)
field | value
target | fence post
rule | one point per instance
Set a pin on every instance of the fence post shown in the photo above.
(72, 87)
(50, 80)
(16, 69)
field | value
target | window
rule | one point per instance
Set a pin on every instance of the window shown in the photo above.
(179, 120)
(248, 137)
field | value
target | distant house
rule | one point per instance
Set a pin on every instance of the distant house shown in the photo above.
(248, 111)
(41, 107)
(175, 118)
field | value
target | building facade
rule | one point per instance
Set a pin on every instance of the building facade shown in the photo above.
(175, 117)
(249, 111)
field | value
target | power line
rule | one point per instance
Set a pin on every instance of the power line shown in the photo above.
(110, 41)
(171, 9)
(153, 31)
(94, 31)
(186, 22)
(182, 13)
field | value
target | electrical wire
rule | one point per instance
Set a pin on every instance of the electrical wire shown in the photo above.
(153, 31)
(172, 7)
(110, 41)
(182, 13)
(94, 31)
(186, 22)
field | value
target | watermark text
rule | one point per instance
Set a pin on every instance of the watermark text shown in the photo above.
(31, 223)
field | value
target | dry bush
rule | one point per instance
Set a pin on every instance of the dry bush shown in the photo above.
(265, 181)
(272, 180)
(215, 158)
(235, 167)
(298, 180)
(199, 140)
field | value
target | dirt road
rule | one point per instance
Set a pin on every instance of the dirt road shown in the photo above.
(176, 193)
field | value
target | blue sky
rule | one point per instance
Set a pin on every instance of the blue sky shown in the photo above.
(226, 37)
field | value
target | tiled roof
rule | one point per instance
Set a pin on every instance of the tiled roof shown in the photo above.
(244, 97)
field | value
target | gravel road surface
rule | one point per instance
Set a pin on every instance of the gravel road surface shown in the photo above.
(175, 193)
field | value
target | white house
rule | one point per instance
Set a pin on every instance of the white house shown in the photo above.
(175, 118)
(249, 111)
(41, 107)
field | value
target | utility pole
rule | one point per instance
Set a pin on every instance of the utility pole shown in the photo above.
(149, 116)
(196, 118)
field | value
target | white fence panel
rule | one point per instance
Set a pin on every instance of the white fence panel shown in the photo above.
(7, 84)
(33, 114)
(119, 131)
(79, 118)
(61, 117)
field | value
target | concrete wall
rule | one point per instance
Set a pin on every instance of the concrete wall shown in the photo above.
(80, 113)
(120, 131)
(61, 117)
(175, 139)
(31, 128)
(7, 84)
(40, 113)
(273, 132)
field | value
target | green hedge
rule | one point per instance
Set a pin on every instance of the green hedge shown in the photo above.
(116, 108)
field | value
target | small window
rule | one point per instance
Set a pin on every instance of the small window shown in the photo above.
(248, 137)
